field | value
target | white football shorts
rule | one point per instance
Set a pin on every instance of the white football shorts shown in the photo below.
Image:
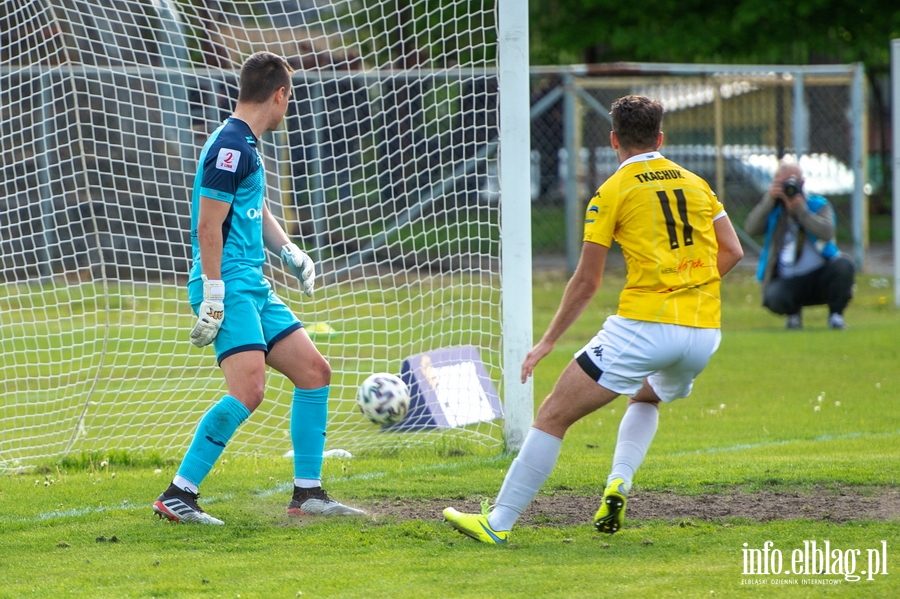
(669, 356)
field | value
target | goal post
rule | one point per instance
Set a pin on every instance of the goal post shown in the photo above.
(398, 167)
(515, 217)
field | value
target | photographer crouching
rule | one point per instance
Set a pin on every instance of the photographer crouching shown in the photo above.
(800, 264)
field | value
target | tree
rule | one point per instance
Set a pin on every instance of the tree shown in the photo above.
(757, 31)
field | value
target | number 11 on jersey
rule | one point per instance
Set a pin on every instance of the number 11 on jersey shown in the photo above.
(687, 229)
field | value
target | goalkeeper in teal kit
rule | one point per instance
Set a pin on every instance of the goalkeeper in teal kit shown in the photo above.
(237, 310)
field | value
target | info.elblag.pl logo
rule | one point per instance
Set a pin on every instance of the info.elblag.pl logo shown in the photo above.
(814, 559)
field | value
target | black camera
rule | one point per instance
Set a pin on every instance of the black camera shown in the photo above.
(791, 187)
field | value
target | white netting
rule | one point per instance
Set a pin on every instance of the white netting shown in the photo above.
(385, 172)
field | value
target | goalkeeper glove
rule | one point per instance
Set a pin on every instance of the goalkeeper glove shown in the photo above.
(301, 266)
(212, 313)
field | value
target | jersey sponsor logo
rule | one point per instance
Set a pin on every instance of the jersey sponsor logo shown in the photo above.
(665, 175)
(686, 265)
(228, 160)
(254, 213)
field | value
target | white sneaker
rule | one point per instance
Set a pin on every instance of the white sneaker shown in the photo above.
(836, 322)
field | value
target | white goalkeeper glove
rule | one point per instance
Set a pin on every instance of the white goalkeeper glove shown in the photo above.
(301, 266)
(212, 313)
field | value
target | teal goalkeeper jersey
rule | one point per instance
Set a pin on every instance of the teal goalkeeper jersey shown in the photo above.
(230, 170)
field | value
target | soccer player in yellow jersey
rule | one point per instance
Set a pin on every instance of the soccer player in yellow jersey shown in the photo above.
(678, 243)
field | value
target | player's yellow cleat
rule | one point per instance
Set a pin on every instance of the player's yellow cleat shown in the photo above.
(475, 526)
(611, 515)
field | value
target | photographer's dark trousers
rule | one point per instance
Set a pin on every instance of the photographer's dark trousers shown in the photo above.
(831, 284)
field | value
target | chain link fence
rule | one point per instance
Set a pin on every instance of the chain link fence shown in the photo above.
(730, 125)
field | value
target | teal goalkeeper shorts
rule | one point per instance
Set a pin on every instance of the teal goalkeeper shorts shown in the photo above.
(255, 318)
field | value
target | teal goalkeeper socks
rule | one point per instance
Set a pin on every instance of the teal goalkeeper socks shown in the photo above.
(213, 433)
(309, 415)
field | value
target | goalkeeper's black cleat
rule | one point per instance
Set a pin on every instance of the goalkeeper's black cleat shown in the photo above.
(316, 502)
(178, 505)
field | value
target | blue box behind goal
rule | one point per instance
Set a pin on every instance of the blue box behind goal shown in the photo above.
(448, 388)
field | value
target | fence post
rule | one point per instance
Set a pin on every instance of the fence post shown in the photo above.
(720, 141)
(46, 129)
(859, 212)
(316, 177)
(895, 162)
(573, 239)
(801, 117)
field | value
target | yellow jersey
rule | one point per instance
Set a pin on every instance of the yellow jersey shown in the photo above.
(662, 216)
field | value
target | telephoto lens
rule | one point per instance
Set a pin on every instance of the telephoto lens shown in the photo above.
(791, 186)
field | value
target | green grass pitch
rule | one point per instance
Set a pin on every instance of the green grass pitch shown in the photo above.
(809, 413)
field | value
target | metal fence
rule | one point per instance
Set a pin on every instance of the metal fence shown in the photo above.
(728, 124)
(99, 177)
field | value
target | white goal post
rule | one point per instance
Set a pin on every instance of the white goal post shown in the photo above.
(401, 168)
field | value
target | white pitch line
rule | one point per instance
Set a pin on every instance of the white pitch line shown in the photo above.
(72, 513)
(87, 511)
(818, 439)
(284, 487)
(281, 487)
(443, 466)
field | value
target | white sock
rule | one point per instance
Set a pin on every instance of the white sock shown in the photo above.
(635, 435)
(528, 472)
(307, 483)
(183, 483)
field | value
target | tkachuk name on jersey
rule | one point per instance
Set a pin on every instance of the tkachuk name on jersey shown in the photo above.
(659, 175)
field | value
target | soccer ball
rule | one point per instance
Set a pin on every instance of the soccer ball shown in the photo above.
(383, 398)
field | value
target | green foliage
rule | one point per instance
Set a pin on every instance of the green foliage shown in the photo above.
(99, 460)
(881, 228)
(548, 229)
(433, 34)
(753, 31)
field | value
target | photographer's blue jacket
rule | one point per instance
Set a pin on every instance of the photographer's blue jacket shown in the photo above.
(814, 203)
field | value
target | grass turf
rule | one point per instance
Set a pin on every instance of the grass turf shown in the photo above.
(775, 410)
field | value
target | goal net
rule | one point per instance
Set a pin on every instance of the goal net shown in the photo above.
(385, 171)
